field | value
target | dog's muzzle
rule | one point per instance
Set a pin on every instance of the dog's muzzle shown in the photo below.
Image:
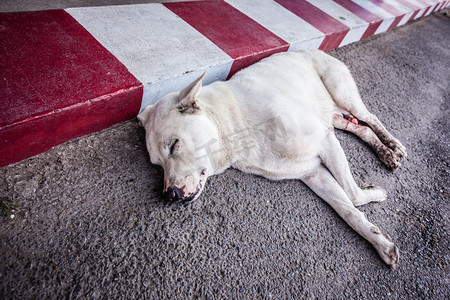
(174, 194)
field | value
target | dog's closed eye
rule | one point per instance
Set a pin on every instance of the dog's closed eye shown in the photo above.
(173, 146)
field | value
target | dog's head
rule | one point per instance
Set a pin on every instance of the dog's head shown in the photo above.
(182, 139)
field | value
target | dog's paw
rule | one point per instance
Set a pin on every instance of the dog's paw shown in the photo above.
(389, 254)
(397, 148)
(400, 151)
(388, 157)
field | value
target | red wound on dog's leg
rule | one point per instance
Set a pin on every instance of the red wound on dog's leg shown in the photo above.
(353, 120)
(350, 119)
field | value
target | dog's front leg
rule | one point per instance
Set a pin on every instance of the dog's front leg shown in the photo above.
(325, 186)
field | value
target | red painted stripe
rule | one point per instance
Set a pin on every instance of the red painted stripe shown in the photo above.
(334, 30)
(57, 83)
(438, 7)
(426, 11)
(371, 29)
(232, 31)
(332, 41)
(395, 22)
(24, 139)
(373, 20)
(413, 15)
(359, 11)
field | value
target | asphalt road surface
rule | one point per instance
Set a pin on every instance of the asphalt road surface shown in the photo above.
(89, 221)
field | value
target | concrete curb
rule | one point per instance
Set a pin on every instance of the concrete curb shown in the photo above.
(67, 73)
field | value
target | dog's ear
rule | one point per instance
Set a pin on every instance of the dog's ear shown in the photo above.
(187, 96)
(144, 115)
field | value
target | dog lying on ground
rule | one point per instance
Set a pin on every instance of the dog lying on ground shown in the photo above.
(274, 119)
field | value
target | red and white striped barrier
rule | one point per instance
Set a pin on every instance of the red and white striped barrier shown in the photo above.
(67, 73)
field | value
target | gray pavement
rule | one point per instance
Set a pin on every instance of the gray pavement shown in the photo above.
(90, 223)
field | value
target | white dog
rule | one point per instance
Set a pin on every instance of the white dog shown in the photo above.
(274, 119)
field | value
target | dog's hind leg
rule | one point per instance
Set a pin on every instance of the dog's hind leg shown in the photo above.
(322, 182)
(333, 157)
(386, 155)
(342, 88)
(384, 135)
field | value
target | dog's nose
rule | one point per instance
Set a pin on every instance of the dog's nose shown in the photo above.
(173, 194)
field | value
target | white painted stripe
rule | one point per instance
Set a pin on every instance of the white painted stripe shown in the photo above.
(442, 5)
(357, 25)
(339, 13)
(155, 45)
(423, 7)
(384, 26)
(420, 4)
(438, 7)
(405, 19)
(398, 6)
(294, 30)
(420, 14)
(354, 35)
(432, 9)
(376, 10)
(408, 11)
(435, 4)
